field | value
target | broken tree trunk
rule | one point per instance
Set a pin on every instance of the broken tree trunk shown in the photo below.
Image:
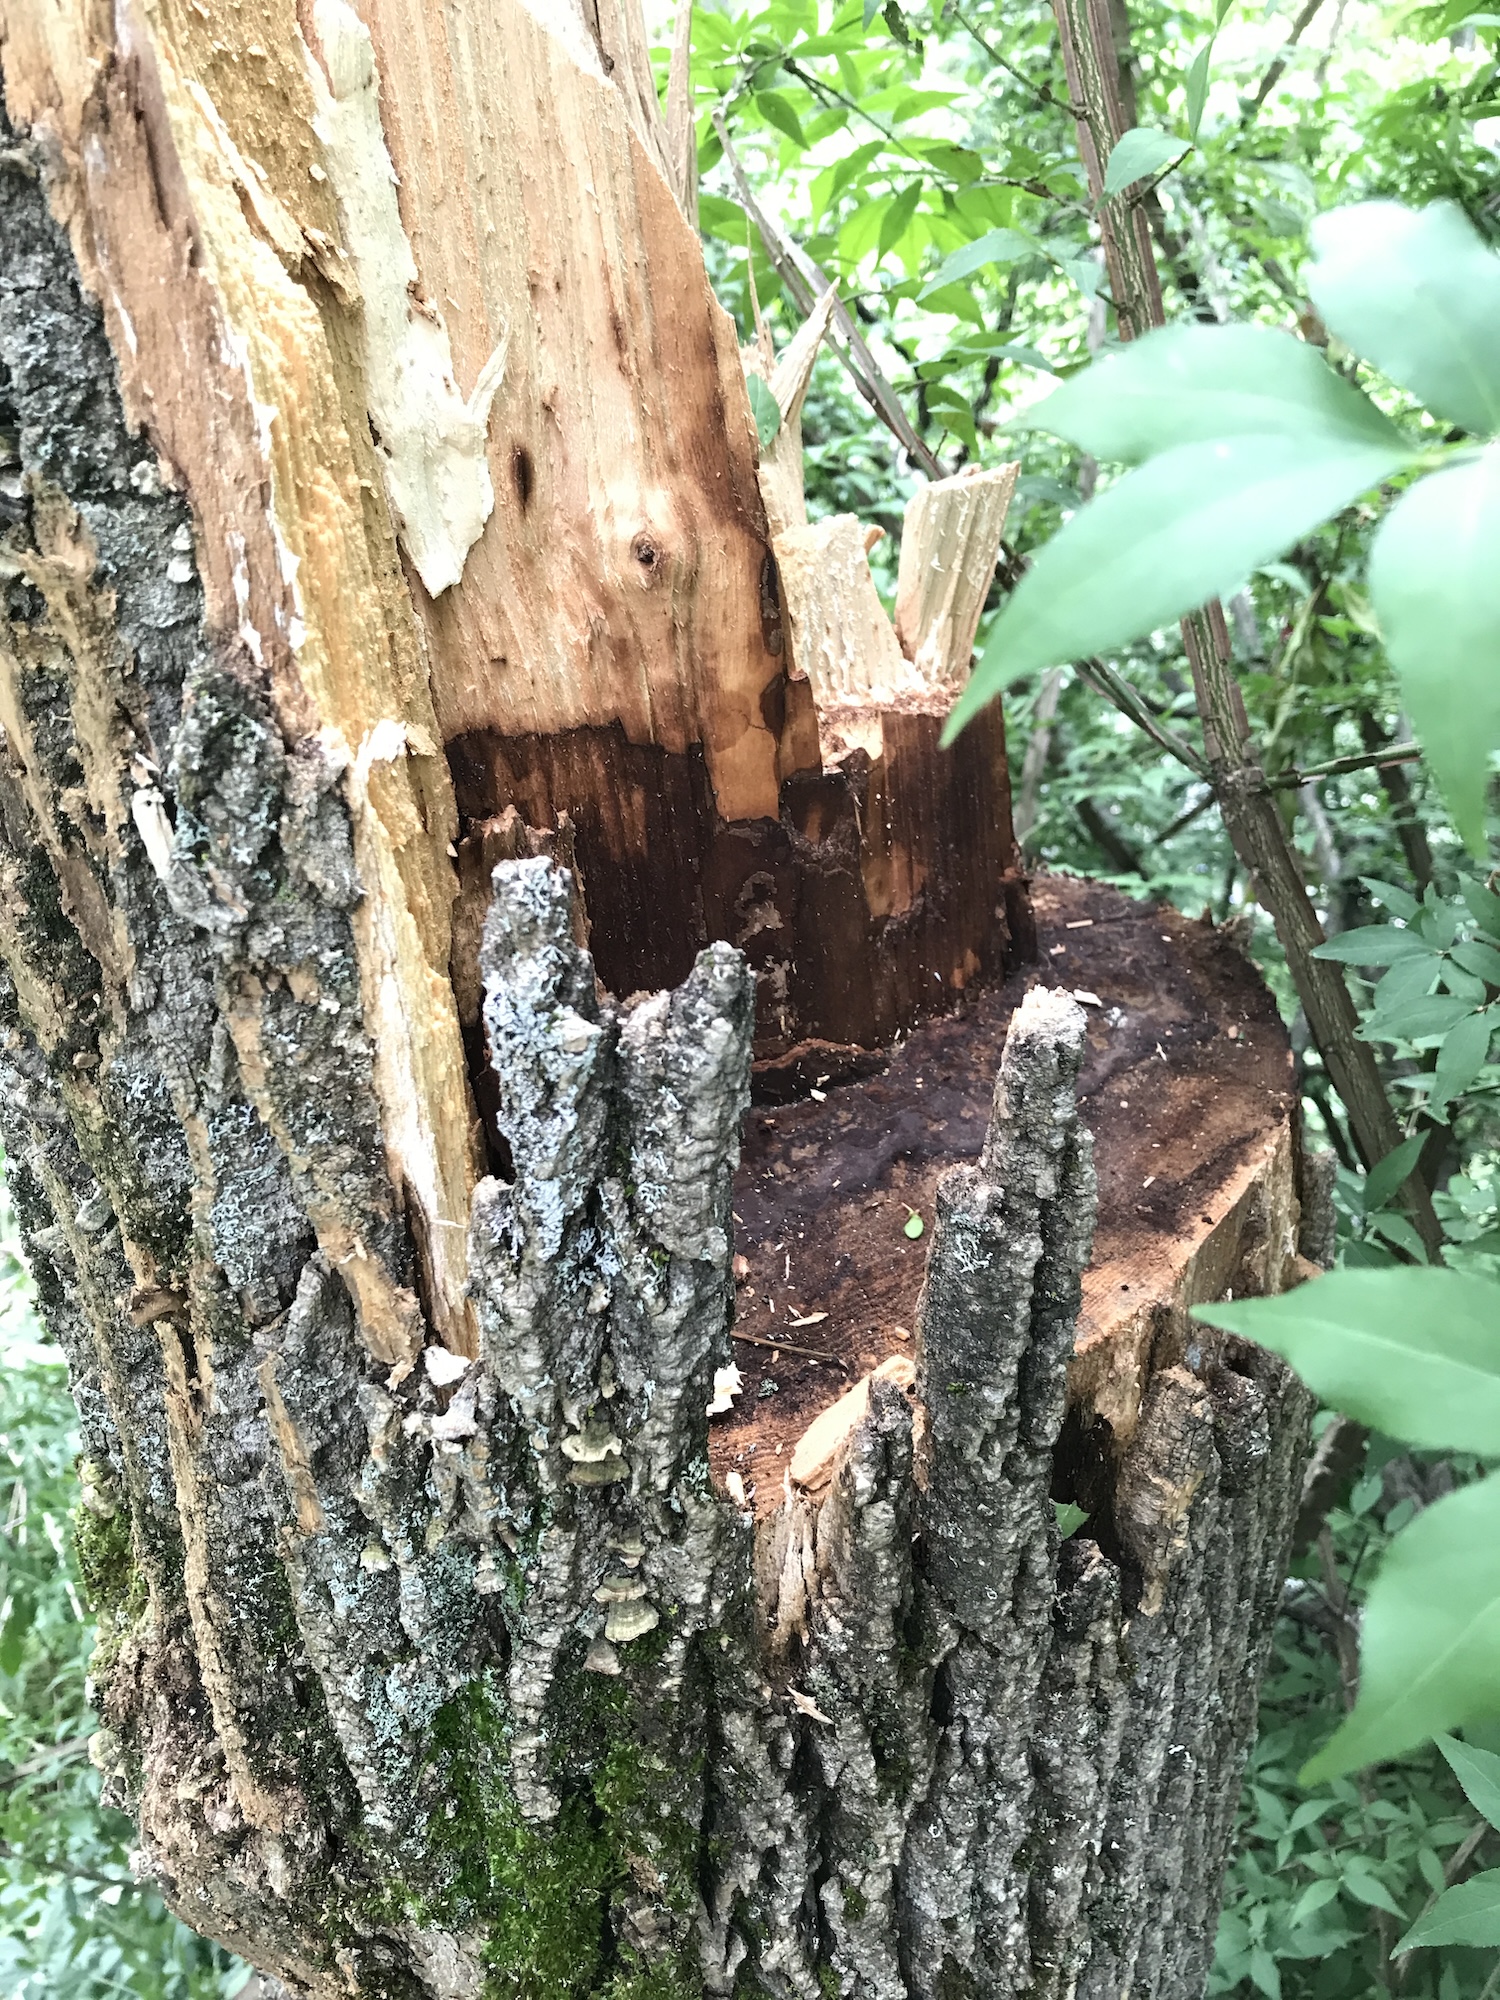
(405, 648)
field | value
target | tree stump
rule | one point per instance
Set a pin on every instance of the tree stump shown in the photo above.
(406, 647)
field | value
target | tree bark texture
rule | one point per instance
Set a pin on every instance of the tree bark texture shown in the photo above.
(395, 1261)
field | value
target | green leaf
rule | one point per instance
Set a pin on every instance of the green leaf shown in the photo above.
(1087, 274)
(1375, 944)
(1483, 906)
(1396, 1229)
(1361, 1880)
(958, 163)
(1070, 1517)
(717, 216)
(1197, 88)
(764, 408)
(1478, 1771)
(1162, 540)
(898, 215)
(1138, 153)
(1435, 586)
(1460, 1059)
(1391, 1173)
(1265, 1974)
(1418, 293)
(1466, 1914)
(996, 246)
(1481, 959)
(1405, 984)
(1416, 1020)
(1316, 1894)
(1009, 350)
(1411, 1353)
(1397, 901)
(849, 167)
(777, 110)
(1431, 1628)
(913, 1226)
(1197, 384)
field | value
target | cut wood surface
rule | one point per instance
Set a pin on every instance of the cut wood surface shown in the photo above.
(1187, 1088)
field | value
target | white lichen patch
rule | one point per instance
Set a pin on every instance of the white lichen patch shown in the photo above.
(149, 811)
(432, 441)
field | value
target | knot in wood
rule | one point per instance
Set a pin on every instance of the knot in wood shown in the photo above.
(648, 553)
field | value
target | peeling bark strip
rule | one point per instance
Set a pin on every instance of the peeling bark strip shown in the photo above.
(433, 1661)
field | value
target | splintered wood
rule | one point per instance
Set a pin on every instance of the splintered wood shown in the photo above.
(522, 414)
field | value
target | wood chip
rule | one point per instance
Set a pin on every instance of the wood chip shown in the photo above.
(820, 1444)
(808, 1706)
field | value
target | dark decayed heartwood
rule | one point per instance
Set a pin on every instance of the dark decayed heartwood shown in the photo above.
(407, 646)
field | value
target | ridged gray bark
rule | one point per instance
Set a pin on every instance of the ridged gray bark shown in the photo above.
(459, 1677)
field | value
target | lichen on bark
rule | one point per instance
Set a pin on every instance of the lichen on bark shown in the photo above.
(435, 1674)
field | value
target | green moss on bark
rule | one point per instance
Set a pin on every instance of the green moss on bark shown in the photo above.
(112, 1585)
(544, 1900)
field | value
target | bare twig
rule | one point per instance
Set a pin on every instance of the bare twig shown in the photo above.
(805, 281)
(48, 1864)
(790, 1347)
(1393, 753)
(1115, 849)
(1409, 828)
(1336, 1458)
(1277, 68)
(1346, 1638)
(1185, 819)
(1457, 1861)
(55, 1753)
(1114, 687)
(1038, 749)
(1042, 92)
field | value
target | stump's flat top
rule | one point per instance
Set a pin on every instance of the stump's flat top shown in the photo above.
(1187, 1079)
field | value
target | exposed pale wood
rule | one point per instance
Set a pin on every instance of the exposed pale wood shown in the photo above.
(619, 581)
(814, 1460)
(619, 31)
(781, 471)
(682, 130)
(950, 540)
(838, 632)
